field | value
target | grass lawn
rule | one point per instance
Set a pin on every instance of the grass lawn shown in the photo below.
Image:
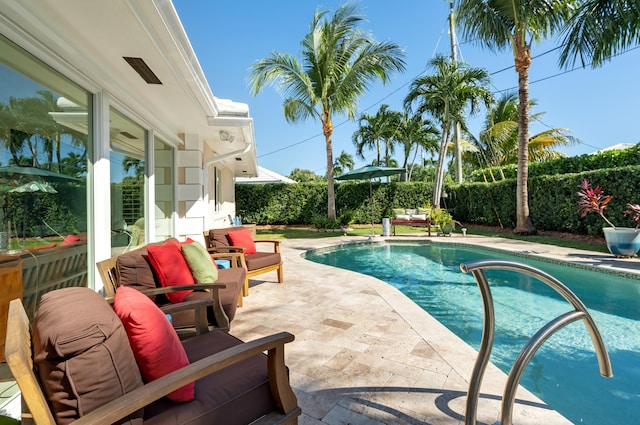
(564, 240)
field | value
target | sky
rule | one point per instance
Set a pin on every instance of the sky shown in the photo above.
(598, 106)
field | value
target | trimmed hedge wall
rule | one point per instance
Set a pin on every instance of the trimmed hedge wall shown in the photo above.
(575, 164)
(300, 203)
(552, 200)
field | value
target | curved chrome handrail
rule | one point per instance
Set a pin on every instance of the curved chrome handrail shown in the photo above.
(579, 312)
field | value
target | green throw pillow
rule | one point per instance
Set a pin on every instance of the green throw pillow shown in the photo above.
(397, 211)
(202, 267)
(425, 211)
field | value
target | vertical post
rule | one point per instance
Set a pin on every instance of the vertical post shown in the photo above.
(456, 126)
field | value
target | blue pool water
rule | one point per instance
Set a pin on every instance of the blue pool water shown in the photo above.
(564, 372)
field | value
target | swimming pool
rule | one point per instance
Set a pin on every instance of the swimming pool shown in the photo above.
(564, 372)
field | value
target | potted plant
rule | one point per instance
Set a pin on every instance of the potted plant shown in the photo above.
(443, 219)
(621, 241)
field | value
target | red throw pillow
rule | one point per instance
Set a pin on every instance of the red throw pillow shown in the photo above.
(69, 239)
(154, 342)
(171, 268)
(242, 238)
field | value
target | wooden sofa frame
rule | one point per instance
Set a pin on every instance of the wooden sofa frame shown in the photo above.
(415, 223)
(18, 353)
(107, 271)
(110, 280)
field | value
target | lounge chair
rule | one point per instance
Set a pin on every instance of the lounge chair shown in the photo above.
(80, 343)
(239, 240)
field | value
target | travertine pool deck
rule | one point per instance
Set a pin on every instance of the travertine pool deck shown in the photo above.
(366, 354)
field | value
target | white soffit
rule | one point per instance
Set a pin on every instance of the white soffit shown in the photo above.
(93, 36)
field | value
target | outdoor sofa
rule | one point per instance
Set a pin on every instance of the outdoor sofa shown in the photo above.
(238, 239)
(83, 362)
(135, 269)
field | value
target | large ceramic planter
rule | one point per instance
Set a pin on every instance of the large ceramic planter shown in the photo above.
(446, 228)
(622, 241)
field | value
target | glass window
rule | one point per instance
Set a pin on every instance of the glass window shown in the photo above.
(164, 195)
(127, 159)
(45, 142)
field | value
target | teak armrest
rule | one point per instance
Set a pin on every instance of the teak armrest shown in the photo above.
(276, 244)
(226, 248)
(152, 391)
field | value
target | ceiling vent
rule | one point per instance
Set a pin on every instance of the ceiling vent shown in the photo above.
(143, 69)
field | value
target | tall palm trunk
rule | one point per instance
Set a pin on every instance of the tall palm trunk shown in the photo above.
(437, 187)
(524, 226)
(327, 128)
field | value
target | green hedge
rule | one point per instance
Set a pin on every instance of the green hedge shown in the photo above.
(552, 200)
(574, 164)
(300, 203)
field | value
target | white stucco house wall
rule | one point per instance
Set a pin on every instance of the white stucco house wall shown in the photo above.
(127, 94)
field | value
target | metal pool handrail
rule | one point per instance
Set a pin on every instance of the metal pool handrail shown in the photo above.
(580, 311)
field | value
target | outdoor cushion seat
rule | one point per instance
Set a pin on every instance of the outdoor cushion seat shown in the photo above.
(255, 263)
(91, 362)
(230, 399)
(261, 260)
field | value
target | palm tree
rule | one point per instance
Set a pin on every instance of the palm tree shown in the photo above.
(343, 163)
(415, 133)
(500, 24)
(599, 30)
(498, 141)
(445, 95)
(375, 129)
(137, 165)
(339, 63)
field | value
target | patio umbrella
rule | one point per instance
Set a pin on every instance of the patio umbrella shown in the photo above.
(34, 186)
(36, 173)
(367, 173)
(13, 182)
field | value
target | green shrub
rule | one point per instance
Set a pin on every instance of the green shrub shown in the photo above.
(552, 201)
(574, 164)
(320, 222)
(347, 218)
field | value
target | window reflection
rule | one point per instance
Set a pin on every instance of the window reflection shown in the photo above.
(163, 173)
(44, 144)
(127, 158)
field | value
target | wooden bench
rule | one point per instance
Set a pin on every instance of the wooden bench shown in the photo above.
(413, 223)
(210, 369)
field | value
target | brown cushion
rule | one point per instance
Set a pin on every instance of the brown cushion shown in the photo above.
(218, 237)
(134, 269)
(82, 353)
(237, 394)
(262, 259)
